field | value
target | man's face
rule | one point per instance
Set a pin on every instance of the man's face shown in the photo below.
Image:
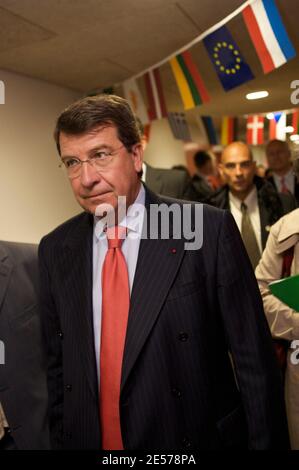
(93, 187)
(278, 156)
(237, 169)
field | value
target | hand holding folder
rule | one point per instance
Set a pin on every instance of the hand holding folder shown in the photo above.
(287, 290)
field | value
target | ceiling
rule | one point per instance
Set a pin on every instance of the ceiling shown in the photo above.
(92, 44)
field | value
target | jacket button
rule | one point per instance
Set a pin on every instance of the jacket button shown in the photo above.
(183, 336)
(68, 388)
(60, 334)
(176, 392)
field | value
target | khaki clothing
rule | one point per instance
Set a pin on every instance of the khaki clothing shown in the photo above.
(283, 321)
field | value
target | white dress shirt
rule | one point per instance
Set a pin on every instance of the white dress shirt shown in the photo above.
(130, 248)
(251, 202)
(289, 181)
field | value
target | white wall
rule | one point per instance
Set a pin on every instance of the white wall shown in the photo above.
(35, 195)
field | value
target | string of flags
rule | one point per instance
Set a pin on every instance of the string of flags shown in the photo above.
(269, 38)
(259, 130)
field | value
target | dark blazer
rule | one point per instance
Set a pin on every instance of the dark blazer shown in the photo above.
(188, 310)
(296, 194)
(272, 205)
(23, 389)
(202, 190)
(169, 182)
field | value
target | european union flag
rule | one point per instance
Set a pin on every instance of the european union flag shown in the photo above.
(230, 66)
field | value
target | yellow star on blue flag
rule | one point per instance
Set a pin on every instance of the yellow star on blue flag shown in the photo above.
(227, 59)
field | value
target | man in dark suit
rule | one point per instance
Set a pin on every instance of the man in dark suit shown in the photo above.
(189, 311)
(23, 389)
(263, 204)
(167, 182)
(200, 181)
(279, 160)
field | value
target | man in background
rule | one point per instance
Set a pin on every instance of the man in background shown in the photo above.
(254, 204)
(23, 389)
(165, 181)
(279, 161)
(202, 180)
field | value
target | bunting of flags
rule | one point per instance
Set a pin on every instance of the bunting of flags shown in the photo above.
(295, 121)
(189, 81)
(210, 129)
(268, 34)
(134, 97)
(277, 127)
(157, 107)
(228, 130)
(230, 66)
(179, 126)
(255, 130)
(272, 45)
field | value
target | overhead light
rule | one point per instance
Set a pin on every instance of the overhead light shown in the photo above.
(256, 95)
(289, 129)
(270, 116)
(294, 137)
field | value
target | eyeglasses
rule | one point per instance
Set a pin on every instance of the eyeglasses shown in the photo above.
(101, 160)
(245, 165)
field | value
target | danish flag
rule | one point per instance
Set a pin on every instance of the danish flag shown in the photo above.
(255, 130)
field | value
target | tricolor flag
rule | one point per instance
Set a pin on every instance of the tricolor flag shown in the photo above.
(134, 97)
(210, 129)
(156, 102)
(295, 121)
(268, 34)
(189, 81)
(227, 59)
(277, 127)
(255, 130)
(228, 130)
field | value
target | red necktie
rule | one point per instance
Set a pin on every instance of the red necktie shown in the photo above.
(115, 310)
(283, 186)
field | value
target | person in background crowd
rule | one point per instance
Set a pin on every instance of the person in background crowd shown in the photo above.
(138, 328)
(202, 180)
(23, 388)
(283, 248)
(260, 170)
(253, 202)
(279, 161)
(167, 182)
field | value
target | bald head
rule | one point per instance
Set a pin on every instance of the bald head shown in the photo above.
(235, 149)
(238, 169)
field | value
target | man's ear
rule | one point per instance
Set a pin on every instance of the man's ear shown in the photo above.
(220, 169)
(137, 155)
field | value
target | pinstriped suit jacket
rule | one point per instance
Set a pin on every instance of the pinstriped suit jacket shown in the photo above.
(188, 310)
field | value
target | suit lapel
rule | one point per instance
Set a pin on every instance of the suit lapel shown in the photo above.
(5, 272)
(157, 266)
(77, 262)
(265, 221)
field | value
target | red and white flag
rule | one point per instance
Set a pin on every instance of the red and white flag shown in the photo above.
(156, 102)
(255, 130)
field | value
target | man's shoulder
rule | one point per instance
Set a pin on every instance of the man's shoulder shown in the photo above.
(18, 252)
(208, 210)
(61, 232)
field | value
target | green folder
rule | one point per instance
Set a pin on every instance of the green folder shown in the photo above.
(287, 290)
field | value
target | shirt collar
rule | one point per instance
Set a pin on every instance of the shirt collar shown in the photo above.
(250, 200)
(133, 220)
(286, 176)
